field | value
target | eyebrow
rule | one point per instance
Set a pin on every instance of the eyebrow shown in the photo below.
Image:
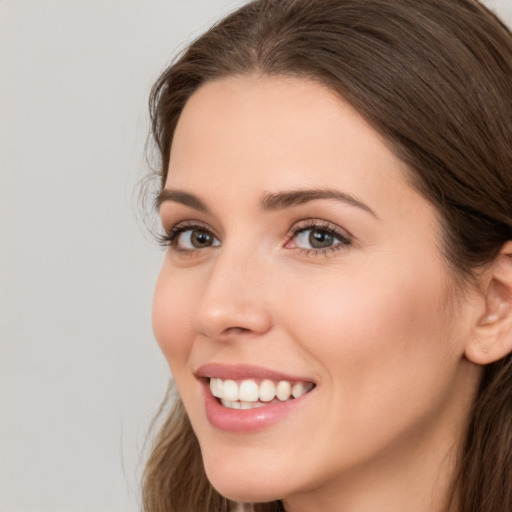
(181, 197)
(281, 200)
(270, 201)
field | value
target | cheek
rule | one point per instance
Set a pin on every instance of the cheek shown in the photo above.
(379, 333)
(384, 354)
(171, 319)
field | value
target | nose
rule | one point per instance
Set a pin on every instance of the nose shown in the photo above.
(234, 300)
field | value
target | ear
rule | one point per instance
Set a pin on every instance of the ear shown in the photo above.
(492, 332)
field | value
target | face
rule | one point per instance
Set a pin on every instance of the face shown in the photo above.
(301, 261)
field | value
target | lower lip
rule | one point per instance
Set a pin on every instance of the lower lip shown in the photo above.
(248, 420)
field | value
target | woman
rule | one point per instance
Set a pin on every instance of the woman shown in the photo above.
(335, 302)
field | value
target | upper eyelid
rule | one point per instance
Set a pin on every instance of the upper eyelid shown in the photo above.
(320, 224)
(298, 226)
(187, 224)
(171, 214)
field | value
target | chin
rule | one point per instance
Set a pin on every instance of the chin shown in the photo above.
(246, 491)
(237, 482)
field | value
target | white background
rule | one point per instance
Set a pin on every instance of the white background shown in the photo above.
(80, 374)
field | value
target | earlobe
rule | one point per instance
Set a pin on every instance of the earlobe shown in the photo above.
(492, 333)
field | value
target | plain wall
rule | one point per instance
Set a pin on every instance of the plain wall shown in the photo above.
(80, 373)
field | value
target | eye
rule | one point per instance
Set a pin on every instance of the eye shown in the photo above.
(317, 239)
(190, 238)
(195, 238)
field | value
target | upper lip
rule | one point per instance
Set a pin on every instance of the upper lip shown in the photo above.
(244, 371)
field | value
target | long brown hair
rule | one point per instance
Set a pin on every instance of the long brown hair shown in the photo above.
(434, 78)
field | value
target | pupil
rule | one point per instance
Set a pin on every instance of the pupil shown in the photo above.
(320, 239)
(201, 239)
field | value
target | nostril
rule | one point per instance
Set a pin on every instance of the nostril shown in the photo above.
(237, 330)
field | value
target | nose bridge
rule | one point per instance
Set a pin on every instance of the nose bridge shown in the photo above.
(234, 297)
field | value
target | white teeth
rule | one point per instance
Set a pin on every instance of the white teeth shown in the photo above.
(283, 390)
(241, 405)
(247, 394)
(230, 390)
(297, 390)
(216, 387)
(248, 391)
(267, 391)
(300, 389)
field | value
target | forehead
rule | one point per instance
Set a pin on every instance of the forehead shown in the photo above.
(295, 127)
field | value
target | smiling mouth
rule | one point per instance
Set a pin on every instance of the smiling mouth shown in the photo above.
(251, 393)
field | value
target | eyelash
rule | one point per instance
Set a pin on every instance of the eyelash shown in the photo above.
(169, 238)
(344, 240)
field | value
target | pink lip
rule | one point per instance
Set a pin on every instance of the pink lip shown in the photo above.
(245, 420)
(244, 371)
